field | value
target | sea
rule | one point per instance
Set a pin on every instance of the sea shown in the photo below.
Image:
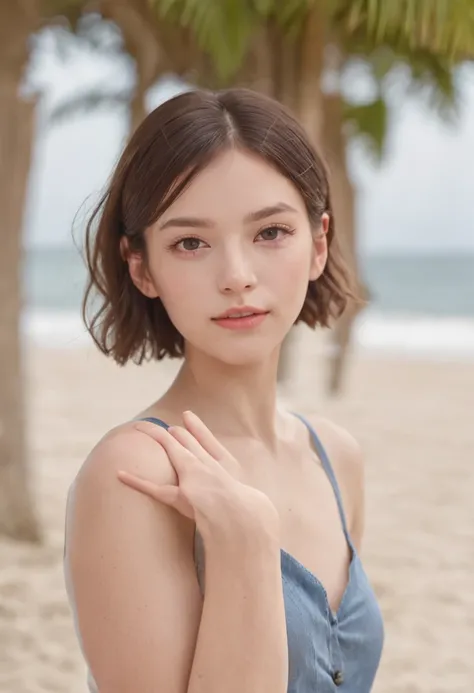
(421, 305)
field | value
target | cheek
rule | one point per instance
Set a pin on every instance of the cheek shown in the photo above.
(175, 294)
(181, 294)
(293, 266)
(290, 280)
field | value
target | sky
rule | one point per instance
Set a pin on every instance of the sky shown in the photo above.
(420, 200)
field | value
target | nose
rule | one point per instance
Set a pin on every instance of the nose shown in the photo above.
(236, 273)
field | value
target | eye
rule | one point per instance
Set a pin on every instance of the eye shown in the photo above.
(273, 233)
(188, 244)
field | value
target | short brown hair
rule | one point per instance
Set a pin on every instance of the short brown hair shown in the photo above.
(176, 141)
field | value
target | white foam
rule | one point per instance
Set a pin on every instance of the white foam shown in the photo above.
(55, 329)
(427, 337)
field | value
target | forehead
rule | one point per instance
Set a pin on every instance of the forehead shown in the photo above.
(235, 184)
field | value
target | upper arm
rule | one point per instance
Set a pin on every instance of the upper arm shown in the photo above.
(347, 461)
(131, 565)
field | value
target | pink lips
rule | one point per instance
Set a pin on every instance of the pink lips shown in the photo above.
(241, 318)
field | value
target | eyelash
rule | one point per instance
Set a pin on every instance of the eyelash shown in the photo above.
(287, 231)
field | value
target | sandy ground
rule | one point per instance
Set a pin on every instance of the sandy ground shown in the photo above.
(416, 422)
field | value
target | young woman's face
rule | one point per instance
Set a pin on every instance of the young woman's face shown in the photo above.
(237, 242)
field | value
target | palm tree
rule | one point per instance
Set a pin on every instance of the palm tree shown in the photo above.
(19, 24)
(426, 41)
(19, 21)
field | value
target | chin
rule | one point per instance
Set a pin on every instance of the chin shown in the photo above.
(241, 353)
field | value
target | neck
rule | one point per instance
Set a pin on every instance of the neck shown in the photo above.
(233, 401)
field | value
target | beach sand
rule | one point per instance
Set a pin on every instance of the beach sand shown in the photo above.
(415, 420)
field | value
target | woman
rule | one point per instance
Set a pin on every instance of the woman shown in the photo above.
(235, 567)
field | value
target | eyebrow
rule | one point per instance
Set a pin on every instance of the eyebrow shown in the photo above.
(198, 222)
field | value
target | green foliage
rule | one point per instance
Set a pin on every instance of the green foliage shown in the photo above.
(290, 16)
(222, 28)
(368, 123)
(412, 39)
(445, 27)
(419, 74)
(434, 78)
(264, 7)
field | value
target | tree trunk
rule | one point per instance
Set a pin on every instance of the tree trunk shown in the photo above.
(137, 24)
(343, 195)
(310, 96)
(304, 72)
(17, 516)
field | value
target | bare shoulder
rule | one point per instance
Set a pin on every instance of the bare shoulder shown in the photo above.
(347, 460)
(131, 568)
(127, 448)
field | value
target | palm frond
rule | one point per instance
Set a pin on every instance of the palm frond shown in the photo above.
(418, 74)
(425, 75)
(433, 79)
(368, 123)
(265, 7)
(223, 28)
(291, 15)
(442, 26)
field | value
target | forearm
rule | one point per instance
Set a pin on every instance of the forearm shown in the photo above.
(242, 643)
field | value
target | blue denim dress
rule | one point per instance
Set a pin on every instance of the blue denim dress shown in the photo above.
(328, 651)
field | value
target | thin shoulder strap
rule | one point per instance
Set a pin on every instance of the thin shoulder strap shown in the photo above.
(327, 466)
(158, 422)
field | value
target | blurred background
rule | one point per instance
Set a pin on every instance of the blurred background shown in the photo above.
(386, 92)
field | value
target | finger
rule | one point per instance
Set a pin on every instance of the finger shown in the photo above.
(164, 494)
(188, 441)
(152, 430)
(178, 455)
(203, 435)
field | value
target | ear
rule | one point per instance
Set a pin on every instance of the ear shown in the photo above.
(319, 253)
(139, 273)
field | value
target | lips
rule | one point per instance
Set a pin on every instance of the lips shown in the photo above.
(242, 319)
(240, 312)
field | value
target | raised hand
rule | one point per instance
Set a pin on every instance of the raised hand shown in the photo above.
(207, 489)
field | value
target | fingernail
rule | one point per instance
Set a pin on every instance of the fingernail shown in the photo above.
(142, 426)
